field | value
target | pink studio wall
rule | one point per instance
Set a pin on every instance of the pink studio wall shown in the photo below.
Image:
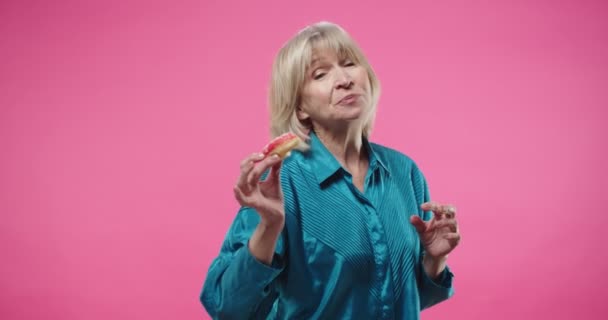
(122, 124)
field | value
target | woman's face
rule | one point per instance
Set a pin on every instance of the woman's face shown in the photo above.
(336, 91)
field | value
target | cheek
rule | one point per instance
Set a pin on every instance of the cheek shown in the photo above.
(318, 94)
(363, 79)
(367, 87)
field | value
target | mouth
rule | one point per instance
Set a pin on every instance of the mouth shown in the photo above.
(349, 99)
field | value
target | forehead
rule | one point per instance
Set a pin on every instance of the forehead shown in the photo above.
(322, 55)
(323, 52)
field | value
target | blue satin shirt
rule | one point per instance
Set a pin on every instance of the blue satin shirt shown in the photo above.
(343, 254)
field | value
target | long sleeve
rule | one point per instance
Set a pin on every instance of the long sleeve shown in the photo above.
(238, 286)
(431, 292)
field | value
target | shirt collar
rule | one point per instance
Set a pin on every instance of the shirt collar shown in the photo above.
(325, 165)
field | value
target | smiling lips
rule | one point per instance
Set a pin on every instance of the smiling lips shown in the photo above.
(349, 99)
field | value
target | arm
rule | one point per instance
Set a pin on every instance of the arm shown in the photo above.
(240, 281)
(434, 289)
(435, 277)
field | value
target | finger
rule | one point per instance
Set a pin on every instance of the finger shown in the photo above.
(240, 197)
(449, 211)
(246, 166)
(440, 211)
(260, 158)
(255, 174)
(453, 237)
(242, 180)
(275, 171)
(243, 200)
(254, 157)
(429, 206)
(418, 224)
(433, 207)
(447, 223)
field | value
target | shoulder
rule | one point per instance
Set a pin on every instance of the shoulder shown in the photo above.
(295, 172)
(293, 162)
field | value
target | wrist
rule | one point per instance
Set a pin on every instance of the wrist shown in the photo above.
(263, 241)
(434, 266)
(272, 225)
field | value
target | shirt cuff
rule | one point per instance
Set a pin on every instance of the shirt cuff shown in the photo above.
(443, 281)
(260, 275)
(433, 292)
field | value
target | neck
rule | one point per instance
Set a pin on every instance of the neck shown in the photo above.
(346, 146)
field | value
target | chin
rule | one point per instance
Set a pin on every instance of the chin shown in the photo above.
(353, 118)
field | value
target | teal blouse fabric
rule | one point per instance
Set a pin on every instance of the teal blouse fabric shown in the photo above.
(343, 254)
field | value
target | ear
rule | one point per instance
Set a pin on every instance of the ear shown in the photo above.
(302, 115)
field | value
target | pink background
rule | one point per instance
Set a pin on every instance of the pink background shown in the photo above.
(120, 120)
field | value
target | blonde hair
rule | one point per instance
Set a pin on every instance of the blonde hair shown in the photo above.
(289, 72)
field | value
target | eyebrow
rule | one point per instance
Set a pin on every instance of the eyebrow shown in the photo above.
(317, 59)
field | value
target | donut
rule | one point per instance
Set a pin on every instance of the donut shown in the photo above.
(281, 145)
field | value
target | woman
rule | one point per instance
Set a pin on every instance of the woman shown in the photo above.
(342, 230)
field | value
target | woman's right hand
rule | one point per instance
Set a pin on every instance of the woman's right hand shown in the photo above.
(264, 196)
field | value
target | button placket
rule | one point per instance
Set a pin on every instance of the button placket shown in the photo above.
(380, 250)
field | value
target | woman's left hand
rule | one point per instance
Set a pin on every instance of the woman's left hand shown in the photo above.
(440, 235)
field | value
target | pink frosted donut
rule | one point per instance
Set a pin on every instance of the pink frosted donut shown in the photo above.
(281, 145)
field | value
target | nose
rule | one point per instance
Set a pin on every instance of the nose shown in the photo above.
(343, 79)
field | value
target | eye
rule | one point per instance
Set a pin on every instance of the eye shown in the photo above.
(318, 75)
(348, 63)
